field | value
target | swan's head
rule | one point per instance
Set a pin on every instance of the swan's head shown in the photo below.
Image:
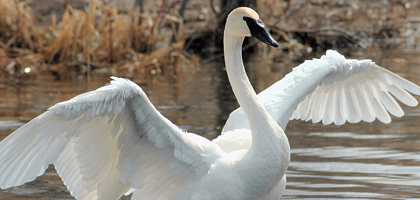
(245, 22)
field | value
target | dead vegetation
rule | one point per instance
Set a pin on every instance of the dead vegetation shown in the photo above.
(99, 37)
(18, 29)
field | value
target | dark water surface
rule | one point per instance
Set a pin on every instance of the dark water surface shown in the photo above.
(352, 161)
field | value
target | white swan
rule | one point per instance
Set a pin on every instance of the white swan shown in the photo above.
(113, 141)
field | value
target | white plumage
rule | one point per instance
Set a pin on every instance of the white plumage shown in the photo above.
(113, 141)
(333, 89)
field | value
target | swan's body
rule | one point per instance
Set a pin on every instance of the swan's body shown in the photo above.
(111, 141)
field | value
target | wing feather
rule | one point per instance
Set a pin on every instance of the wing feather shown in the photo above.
(350, 111)
(317, 108)
(328, 117)
(390, 104)
(337, 113)
(352, 95)
(402, 95)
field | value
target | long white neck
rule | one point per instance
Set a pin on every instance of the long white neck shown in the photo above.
(257, 115)
(269, 143)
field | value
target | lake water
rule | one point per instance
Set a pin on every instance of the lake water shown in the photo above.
(352, 161)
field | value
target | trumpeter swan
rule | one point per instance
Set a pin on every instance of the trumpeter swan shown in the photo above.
(113, 141)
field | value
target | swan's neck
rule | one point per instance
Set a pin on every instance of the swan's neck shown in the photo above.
(266, 134)
(242, 88)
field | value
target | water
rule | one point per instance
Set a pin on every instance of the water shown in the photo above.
(352, 161)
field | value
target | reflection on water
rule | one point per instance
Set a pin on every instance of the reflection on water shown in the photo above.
(352, 161)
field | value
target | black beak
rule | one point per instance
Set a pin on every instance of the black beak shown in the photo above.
(257, 29)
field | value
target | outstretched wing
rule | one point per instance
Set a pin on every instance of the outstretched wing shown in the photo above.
(105, 142)
(333, 89)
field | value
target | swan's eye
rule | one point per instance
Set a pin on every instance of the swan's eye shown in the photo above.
(253, 22)
(257, 29)
(260, 23)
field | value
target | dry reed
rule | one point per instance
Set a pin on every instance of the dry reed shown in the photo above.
(99, 35)
(18, 29)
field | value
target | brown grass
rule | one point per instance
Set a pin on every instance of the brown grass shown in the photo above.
(18, 28)
(99, 35)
